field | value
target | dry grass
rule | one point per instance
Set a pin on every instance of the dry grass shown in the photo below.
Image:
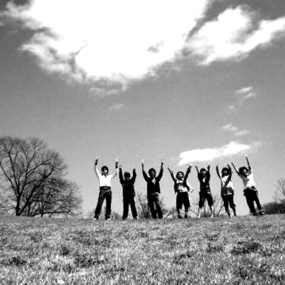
(242, 250)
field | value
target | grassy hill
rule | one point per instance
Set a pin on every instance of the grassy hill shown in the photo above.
(241, 250)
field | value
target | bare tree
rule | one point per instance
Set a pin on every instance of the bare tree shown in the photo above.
(280, 190)
(32, 176)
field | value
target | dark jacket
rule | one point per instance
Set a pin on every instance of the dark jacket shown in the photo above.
(205, 183)
(128, 185)
(153, 184)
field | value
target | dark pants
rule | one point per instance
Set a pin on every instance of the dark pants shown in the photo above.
(229, 201)
(182, 199)
(203, 197)
(251, 196)
(104, 194)
(154, 206)
(129, 201)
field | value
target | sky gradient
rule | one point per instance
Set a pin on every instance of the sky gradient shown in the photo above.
(184, 81)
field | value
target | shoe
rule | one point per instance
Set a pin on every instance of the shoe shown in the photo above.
(186, 216)
(108, 219)
(95, 219)
(179, 217)
(261, 212)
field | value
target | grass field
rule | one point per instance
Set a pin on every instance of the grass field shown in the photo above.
(241, 250)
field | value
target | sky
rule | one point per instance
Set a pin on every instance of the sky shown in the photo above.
(183, 81)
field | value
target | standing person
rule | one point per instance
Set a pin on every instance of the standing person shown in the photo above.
(128, 183)
(250, 191)
(181, 188)
(227, 189)
(153, 190)
(105, 188)
(205, 190)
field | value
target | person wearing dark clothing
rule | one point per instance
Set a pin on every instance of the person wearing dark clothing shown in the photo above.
(153, 190)
(128, 184)
(182, 188)
(205, 190)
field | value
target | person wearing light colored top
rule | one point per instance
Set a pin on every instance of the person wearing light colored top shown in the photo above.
(181, 187)
(227, 188)
(105, 190)
(250, 191)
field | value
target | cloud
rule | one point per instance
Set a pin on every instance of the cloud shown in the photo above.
(114, 41)
(116, 107)
(233, 35)
(243, 94)
(235, 130)
(209, 154)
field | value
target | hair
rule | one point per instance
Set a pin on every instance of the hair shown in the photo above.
(104, 167)
(127, 174)
(150, 170)
(225, 169)
(179, 172)
(240, 170)
(203, 169)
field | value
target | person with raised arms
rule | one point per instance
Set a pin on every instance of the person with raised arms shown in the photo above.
(153, 190)
(105, 190)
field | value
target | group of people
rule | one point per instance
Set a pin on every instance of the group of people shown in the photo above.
(181, 188)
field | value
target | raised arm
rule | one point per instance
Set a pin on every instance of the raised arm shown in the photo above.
(134, 175)
(197, 168)
(96, 167)
(161, 170)
(116, 168)
(121, 174)
(218, 171)
(187, 172)
(143, 171)
(171, 174)
(248, 163)
(235, 168)
(208, 172)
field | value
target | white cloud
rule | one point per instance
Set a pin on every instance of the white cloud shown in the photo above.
(243, 94)
(209, 154)
(110, 40)
(233, 35)
(235, 130)
(116, 107)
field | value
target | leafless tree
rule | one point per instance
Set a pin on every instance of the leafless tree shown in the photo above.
(280, 190)
(32, 178)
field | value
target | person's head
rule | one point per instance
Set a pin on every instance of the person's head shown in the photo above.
(104, 170)
(203, 171)
(243, 171)
(152, 172)
(179, 175)
(225, 171)
(127, 175)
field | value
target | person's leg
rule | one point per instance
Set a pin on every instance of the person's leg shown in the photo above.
(157, 206)
(151, 206)
(126, 207)
(249, 201)
(101, 198)
(133, 207)
(232, 204)
(257, 201)
(108, 205)
(226, 204)
(179, 205)
(210, 204)
(201, 204)
(186, 202)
